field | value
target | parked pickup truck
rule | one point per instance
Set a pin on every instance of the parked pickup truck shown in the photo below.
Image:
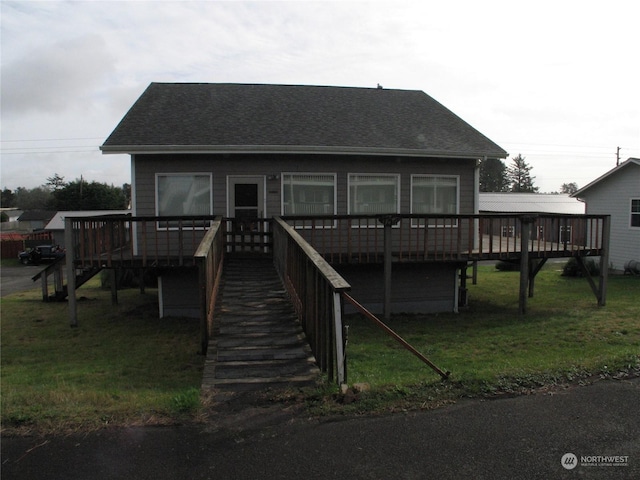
(41, 253)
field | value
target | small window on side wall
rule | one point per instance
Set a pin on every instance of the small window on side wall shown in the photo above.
(635, 213)
(183, 195)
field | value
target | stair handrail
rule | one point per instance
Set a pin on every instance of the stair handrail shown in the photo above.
(209, 258)
(315, 290)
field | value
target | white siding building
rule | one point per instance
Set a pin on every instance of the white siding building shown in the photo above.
(617, 193)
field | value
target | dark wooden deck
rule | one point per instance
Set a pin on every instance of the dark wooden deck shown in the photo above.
(143, 242)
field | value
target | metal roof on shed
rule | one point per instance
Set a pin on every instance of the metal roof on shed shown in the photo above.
(529, 203)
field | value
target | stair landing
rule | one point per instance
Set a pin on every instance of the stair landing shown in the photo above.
(257, 343)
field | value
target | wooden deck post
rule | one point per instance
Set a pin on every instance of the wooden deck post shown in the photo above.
(388, 221)
(58, 279)
(44, 283)
(71, 272)
(141, 285)
(604, 261)
(204, 318)
(341, 371)
(525, 234)
(113, 280)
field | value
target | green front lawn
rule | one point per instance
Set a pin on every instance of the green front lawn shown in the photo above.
(122, 365)
(490, 347)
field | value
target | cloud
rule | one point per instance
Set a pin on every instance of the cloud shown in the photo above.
(56, 77)
(547, 74)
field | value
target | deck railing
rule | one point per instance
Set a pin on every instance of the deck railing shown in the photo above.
(361, 239)
(126, 241)
(172, 241)
(315, 290)
(210, 259)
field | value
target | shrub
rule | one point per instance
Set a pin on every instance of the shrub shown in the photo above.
(572, 269)
(508, 266)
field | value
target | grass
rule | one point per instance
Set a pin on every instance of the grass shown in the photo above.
(121, 365)
(124, 366)
(490, 349)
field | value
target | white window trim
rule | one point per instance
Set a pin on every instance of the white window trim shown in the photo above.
(182, 174)
(414, 222)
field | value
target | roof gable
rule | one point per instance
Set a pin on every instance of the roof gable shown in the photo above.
(635, 162)
(197, 117)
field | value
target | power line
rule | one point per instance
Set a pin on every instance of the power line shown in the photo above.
(51, 139)
(50, 152)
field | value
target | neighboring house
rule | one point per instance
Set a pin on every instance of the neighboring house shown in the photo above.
(534, 203)
(617, 193)
(12, 215)
(56, 224)
(35, 219)
(257, 151)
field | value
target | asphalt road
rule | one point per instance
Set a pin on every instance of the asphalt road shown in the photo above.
(17, 279)
(511, 438)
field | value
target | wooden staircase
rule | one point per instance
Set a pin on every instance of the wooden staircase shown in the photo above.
(257, 343)
(57, 269)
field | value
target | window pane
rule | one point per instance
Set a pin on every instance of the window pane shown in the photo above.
(435, 195)
(308, 194)
(246, 195)
(372, 194)
(635, 212)
(183, 195)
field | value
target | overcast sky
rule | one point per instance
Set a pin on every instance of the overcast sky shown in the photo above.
(556, 81)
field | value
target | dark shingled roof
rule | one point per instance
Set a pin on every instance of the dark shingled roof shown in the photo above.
(201, 117)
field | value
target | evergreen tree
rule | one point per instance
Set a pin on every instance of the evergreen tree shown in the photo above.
(493, 176)
(8, 199)
(82, 195)
(519, 176)
(569, 188)
(55, 183)
(38, 198)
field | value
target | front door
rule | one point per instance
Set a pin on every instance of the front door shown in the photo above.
(246, 208)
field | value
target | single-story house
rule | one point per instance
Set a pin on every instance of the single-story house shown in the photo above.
(35, 219)
(617, 193)
(258, 151)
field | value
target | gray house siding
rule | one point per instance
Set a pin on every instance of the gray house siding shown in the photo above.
(146, 167)
(612, 196)
(271, 167)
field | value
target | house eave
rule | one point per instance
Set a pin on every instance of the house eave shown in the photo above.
(298, 149)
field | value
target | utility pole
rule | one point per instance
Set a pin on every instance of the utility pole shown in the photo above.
(617, 156)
